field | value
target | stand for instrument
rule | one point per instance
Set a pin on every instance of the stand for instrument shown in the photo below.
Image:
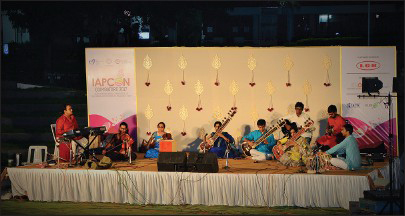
(86, 152)
(301, 170)
(391, 200)
(130, 154)
(226, 167)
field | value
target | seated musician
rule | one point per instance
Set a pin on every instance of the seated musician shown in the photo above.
(299, 118)
(264, 150)
(153, 143)
(348, 146)
(65, 123)
(333, 134)
(118, 148)
(220, 145)
(299, 151)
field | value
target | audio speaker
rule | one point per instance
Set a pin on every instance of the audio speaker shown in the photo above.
(202, 162)
(172, 161)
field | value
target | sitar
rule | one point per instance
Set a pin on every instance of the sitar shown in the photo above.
(279, 149)
(204, 145)
(245, 145)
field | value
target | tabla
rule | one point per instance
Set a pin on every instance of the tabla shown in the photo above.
(318, 163)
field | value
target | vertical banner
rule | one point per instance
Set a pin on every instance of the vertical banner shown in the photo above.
(111, 92)
(369, 116)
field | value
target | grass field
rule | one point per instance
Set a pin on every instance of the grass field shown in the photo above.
(70, 208)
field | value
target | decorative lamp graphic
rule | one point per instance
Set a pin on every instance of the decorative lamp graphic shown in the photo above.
(291, 109)
(182, 65)
(307, 91)
(199, 88)
(217, 113)
(183, 116)
(239, 136)
(252, 66)
(148, 115)
(202, 133)
(147, 64)
(254, 115)
(288, 65)
(216, 64)
(327, 63)
(270, 90)
(168, 90)
(234, 88)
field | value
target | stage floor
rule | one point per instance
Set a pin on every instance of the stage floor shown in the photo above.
(237, 166)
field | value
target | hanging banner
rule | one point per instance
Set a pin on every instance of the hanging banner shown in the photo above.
(111, 92)
(369, 116)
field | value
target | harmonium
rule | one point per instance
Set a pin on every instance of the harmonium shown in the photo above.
(167, 146)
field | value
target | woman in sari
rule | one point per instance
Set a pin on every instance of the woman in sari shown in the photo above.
(155, 139)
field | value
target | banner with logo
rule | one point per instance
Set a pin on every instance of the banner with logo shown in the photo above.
(111, 92)
(369, 116)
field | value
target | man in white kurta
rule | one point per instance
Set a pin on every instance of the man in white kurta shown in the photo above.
(299, 118)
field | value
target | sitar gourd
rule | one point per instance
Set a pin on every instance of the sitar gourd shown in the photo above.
(245, 145)
(205, 146)
(279, 149)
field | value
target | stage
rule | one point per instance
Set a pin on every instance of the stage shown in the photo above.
(246, 183)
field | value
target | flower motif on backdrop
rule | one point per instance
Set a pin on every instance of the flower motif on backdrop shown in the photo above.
(291, 109)
(307, 91)
(254, 115)
(182, 65)
(148, 115)
(288, 65)
(168, 90)
(217, 113)
(234, 89)
(270, 90)
(147, 64)
(238, 135)
(199, 88)
(202, 133)
(216, 64)
(183, 116)
(327, 63)
(252, 66)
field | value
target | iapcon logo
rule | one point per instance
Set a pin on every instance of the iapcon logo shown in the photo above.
(368, 65)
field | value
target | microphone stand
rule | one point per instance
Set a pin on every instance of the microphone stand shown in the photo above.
(391, 150)
(226, 167)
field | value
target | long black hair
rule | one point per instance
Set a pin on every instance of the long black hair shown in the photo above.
(288, 132)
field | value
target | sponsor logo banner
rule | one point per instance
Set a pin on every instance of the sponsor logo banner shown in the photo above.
(369, 116)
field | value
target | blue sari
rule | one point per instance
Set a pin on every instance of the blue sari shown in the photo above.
(220, 145)
(154, 153)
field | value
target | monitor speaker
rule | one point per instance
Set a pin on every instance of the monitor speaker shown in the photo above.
(172, 161)
(202, 162)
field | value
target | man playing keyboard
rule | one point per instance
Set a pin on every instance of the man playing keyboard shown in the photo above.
(65, 123)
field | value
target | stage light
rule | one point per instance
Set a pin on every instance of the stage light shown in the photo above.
(371, 85)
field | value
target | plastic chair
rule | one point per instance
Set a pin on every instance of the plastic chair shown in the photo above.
(37, 154)
(56, 151)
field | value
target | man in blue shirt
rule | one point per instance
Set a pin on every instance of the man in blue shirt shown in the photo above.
(349, 147)
(264, 150)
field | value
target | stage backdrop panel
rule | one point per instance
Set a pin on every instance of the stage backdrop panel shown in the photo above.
(111, 92)
(369, 116)
(171, 81)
